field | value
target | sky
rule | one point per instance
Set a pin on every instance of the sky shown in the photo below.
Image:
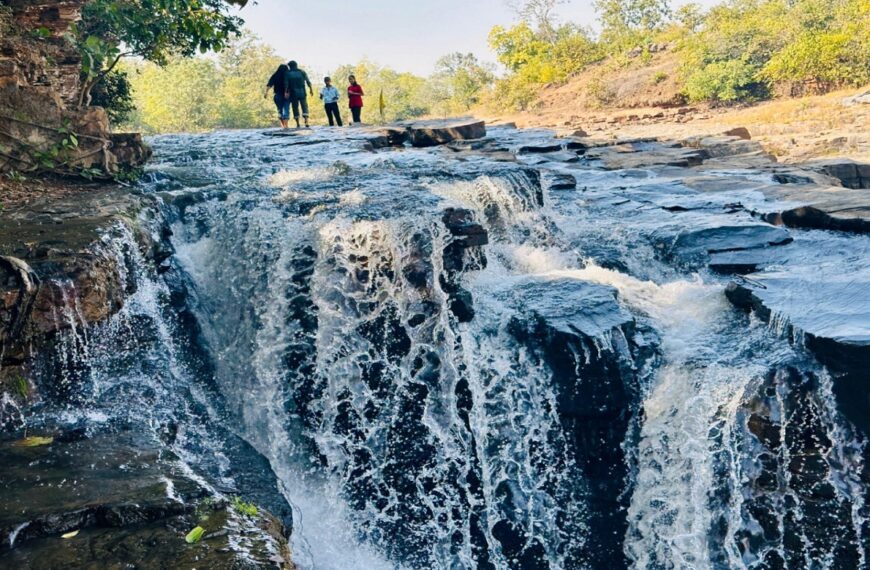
(407, 35)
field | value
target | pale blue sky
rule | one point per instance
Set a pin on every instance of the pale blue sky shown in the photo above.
(408, 35)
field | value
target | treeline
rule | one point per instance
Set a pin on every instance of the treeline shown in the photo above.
(226, 90)
(740, 50)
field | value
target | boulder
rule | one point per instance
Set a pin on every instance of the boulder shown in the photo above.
(433, 133)
(739, 132)
(557, 181)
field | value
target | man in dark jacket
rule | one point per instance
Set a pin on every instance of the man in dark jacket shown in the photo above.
(298, 80)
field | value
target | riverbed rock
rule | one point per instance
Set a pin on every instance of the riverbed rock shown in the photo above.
(643, 154)
(595, 351)
(831, 313)
(57, 271)
(437, 132)
(698, 241)
(128, 499)
(781, 423)
(813, 206)
(850, 173)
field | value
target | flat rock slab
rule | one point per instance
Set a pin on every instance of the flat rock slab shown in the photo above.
(130, 500)
(433, 133)
(811, 206)
(698, 243)
(745, 261)
(830, 312)
(801, 205)
(574, 307)
(645, 154)
(68, 485)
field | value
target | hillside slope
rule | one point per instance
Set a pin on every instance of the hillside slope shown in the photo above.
(644, 99)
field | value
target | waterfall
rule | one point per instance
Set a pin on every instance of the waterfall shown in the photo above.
(448, 365)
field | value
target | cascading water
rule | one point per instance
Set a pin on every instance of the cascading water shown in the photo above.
(563, 396)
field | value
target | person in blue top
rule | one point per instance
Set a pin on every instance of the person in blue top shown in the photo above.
(330, 97)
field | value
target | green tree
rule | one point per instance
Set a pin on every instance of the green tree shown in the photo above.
(115, 94)
(541, 14)
(461, 82)
(534, 61)
(243, 69)
(154, 30)
(627, 23)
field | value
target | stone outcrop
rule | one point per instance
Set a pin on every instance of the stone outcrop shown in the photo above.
(127, 499)
(40, 89)
(57, 272)
(432, 133)
(851, 174)
(597, 355)
(813, 307)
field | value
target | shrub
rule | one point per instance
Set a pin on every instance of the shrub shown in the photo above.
(658, 78)
(725, 81)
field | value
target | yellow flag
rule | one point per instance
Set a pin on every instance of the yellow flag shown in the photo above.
(382, 104)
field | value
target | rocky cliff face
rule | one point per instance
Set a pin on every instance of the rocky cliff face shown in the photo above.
(57, 271)
(39, 91)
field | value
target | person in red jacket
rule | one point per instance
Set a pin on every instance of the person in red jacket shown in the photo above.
(355, 99)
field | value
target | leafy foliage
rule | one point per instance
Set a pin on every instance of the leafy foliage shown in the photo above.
(746, 47)
(114, 93)
(626, 23)
(535, 61)
(154, 30)
(243, 508)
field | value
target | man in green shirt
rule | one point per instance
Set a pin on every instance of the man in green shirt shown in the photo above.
(297, 80)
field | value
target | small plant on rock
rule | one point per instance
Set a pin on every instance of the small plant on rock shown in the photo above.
(243, 508)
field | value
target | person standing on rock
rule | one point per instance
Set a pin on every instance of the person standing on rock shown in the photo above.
(355, 99)
(330, 96)
(298, 80)
(279, 82)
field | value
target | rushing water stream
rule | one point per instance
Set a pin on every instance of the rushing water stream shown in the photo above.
(563, 396)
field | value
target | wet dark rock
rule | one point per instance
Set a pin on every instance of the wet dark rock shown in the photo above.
(697, 243)
(784, 417)
(56, 261)
(832, 316)
(851, 174)
(556, 181)
(595, 352)
(791, 178)
(432, 133)
(538, 148)
(812, 206)
(463, 253)
(744, 261)
(118, 488)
